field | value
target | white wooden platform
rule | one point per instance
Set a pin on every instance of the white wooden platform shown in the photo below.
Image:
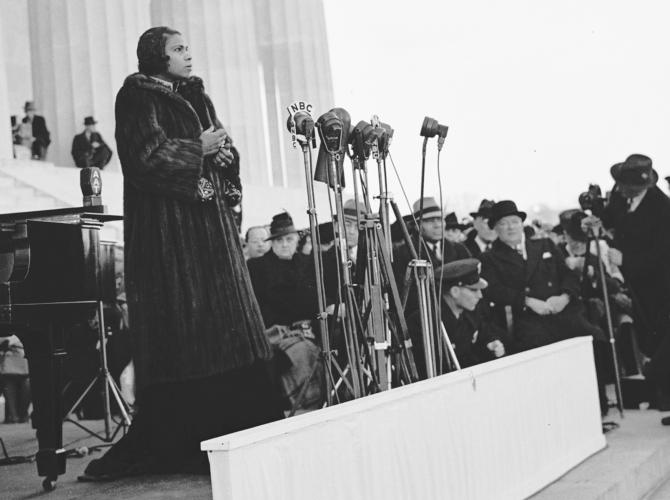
(501, 430)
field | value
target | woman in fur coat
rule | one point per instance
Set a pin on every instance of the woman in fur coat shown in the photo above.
(199, 346)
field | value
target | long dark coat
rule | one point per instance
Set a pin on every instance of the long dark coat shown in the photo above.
(643, 236)
(544, 274)
(84, 155)
(191, 306)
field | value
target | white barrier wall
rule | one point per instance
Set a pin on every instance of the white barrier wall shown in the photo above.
(502, 430)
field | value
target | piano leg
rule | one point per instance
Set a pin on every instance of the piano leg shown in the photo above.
(45, 352)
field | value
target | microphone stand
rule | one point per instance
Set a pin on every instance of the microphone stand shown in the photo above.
(594, 236)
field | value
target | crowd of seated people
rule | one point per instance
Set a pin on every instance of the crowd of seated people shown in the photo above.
(506, 286)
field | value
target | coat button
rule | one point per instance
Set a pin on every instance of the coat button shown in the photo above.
(527, 289)
(549, 283)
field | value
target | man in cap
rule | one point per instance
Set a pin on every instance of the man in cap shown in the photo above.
(430, 241)
(475, 340)
(531, 277)
(639, 213)
(88, 148)
(482, 236)
(40, 133)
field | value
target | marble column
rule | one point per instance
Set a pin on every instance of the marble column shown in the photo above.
(220, 34)
(293, 47)
(81, 52)
(5, 110)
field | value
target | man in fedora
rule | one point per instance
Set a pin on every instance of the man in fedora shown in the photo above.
(284, 285)
(482, 236)
(429, 243)
(88, 148)
(352, 213)
(283, 278)
(639, 213)
(530, 276)
(453, 230)
(475, 340)
(40, 133)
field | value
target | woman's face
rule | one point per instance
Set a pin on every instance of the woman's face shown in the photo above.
(179, 63)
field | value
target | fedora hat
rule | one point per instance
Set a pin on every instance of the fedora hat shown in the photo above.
(29, 106)
(451, 222)
(281, 225)
(351, 209)
(89, 120)
(484, 209)
(503, 209)
(430, 208)
(635, 171)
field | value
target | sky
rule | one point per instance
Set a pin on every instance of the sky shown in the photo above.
(541, 97)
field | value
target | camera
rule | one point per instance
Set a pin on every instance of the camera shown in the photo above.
(592, 199)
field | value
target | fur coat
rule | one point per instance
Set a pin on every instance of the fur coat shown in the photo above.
(192, 310)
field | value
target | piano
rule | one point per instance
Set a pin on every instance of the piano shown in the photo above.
(55, 272)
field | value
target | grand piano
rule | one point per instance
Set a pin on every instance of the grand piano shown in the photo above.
(55, 272)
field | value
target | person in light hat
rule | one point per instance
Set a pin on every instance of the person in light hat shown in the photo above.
(475, 339)
(428, 238)
(37, 127)
(639, 214)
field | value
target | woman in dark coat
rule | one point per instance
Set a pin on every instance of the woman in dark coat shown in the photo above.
(198, 336)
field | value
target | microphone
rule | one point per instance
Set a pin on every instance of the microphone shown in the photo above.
(331, 132)
(300, 123)
(90, 182)
(431, 128)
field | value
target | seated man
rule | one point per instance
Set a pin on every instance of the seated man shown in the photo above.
(433, 247)
(284, 285)
(475, 340)
(530, 275)
(88, 148)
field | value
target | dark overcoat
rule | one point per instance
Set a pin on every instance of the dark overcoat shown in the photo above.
(643, 236)
(85, 155)
(469, 334)
(543, 274)
(191, 306)
(285, 289)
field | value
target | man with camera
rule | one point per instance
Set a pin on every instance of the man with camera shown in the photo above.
(639, 213)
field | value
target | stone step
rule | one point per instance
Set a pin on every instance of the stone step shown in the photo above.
(635, 464)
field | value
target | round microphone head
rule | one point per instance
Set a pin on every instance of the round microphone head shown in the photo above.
(430, 127)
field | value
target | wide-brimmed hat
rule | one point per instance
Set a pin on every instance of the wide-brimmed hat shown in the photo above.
(635, 171)
(89, 120)
(29, 106)
(430, 208)
(463, 272)
(281, 225)
(503, 209)
(451, 222)
(484, 209)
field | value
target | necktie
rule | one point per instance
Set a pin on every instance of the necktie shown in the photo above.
(436, 250)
